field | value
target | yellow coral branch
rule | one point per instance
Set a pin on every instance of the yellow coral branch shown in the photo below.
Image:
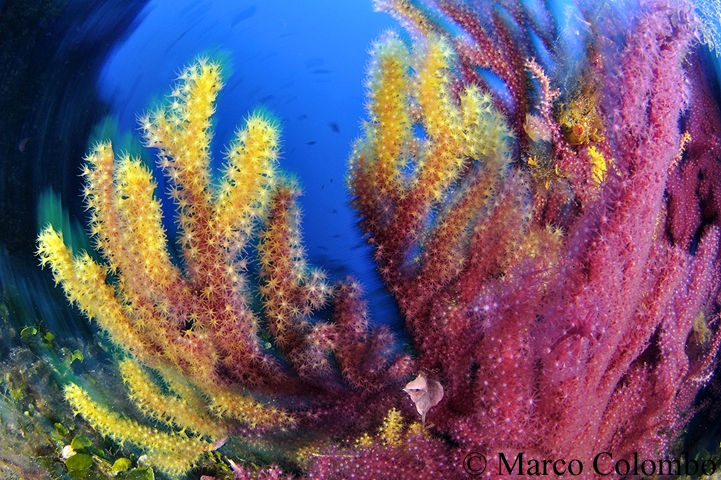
(181, 131)
(172, 410)
(173, 453)
(484, 129)
(84, 283)
(442, 119)
(143, 234)
(245, 190)
(226, 403)
(390, 120)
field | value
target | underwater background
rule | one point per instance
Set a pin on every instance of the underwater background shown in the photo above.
(74, 73)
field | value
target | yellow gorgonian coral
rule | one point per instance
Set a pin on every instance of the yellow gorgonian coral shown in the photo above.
(211, 345)
(190, 326)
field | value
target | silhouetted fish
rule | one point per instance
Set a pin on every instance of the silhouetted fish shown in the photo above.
(244, 14)
(22, 144)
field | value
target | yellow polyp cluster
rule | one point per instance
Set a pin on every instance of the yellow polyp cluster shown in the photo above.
(173, 453)
(701, 330)
(84, 283)
(390, 121)
(182, 125)
(484, 130)
(398, 99)
(599, 165)
(443, 118)
(416, 89)
(249, 177)
(364, 441)
(391, 431)
(432, 86)
(225, 403)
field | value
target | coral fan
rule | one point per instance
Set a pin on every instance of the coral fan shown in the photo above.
(196, 327)
(547, 259)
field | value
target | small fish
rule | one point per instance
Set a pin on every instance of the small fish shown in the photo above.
(425, 394)
(22, 144)
(245, 14)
